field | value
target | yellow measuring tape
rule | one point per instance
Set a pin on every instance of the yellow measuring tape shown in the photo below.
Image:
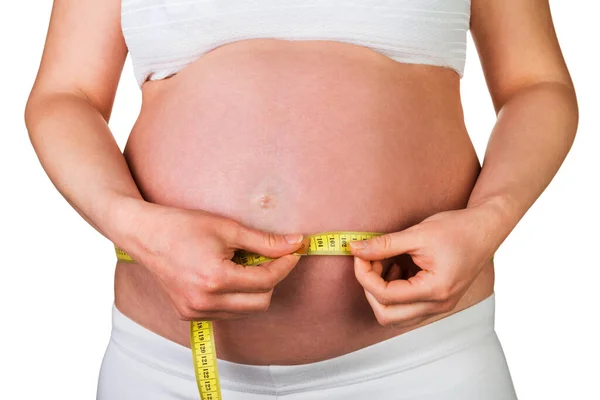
(204, 352)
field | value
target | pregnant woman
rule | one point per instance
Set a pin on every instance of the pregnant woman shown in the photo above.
(265, 122)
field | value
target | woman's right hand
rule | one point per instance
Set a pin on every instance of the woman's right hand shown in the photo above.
(190, 251)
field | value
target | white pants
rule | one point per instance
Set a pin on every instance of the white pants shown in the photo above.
(456, 358)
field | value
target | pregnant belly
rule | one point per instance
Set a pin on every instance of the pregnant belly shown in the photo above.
(298, 137)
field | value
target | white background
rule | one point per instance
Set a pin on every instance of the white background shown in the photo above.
(56, 271)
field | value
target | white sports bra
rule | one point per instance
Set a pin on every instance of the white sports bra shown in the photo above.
(163, 36)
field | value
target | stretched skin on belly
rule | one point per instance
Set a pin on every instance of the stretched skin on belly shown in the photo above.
(300, 137)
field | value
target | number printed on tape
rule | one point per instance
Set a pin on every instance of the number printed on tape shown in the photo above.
(201, 332)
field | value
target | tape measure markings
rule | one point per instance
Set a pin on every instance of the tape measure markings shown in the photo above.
(202, 343)
(204, 355)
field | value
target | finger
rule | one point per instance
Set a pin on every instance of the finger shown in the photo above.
(263, 243)
(393, 273)
(240, 303)
(417, 288)
(256, 279)
(192, 315)
(401, 314)
(386, 246)
(377, 267)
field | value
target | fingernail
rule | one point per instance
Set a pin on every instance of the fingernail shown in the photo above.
(293, 239)
(359, 244)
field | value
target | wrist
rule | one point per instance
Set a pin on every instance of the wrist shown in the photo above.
(497, 216)
(127, 221)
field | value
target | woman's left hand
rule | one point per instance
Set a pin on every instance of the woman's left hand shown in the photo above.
(450, 248)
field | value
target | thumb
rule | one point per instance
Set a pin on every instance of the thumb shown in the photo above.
(265, 243)
(385, 246)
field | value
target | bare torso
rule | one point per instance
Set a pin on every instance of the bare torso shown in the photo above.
(300, 137)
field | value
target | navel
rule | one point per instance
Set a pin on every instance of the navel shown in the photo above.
(266, 201)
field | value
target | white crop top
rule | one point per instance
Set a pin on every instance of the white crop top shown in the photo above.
(163, 36)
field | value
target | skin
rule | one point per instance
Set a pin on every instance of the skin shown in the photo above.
(405, 119)
(536, 106)
(450, 243)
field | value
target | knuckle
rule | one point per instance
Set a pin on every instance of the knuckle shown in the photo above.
(204, 304)
(184, 313)
(194, 303)
(270, 239)
(233, 231)
(214, 282)
(385, 241)
(383, 319)
(198, 304)
(269, 283)
(265, 285)
(442, 293)
(384, 299)
(264, 305)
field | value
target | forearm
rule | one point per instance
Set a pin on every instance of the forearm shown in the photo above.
(531, 138)
(78, 152)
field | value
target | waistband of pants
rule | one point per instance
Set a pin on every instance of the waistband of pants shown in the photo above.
(412, 349)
